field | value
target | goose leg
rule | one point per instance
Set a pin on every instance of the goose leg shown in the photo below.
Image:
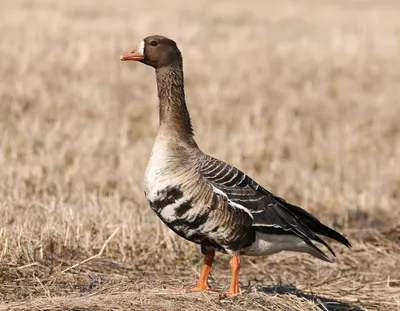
(235, 265)
(202, 284)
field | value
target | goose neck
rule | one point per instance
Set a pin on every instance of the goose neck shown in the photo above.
(174, 115)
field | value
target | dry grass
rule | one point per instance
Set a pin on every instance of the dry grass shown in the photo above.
(303, 95)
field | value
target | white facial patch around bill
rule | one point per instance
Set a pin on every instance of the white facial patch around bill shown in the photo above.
(140, 48)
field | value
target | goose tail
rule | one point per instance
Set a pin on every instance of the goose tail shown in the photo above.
(317, 227)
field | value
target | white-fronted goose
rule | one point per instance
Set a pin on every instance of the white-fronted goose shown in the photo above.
(210, 202)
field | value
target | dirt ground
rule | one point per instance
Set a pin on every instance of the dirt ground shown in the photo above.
(302, 95)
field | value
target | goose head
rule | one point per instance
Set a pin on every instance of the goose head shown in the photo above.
(155, 51)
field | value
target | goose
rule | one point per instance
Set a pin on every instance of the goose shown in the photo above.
(207, 201)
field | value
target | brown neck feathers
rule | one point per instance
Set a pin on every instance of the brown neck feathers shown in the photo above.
(174, 116)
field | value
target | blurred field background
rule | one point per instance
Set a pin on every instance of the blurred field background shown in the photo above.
(302, 95)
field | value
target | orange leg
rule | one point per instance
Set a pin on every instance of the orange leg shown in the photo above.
(202, 284)
(235, 265)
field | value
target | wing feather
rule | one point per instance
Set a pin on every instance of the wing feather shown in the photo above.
(269, 210)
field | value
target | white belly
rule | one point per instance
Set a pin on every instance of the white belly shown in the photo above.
(267, 244)
(163, 180)
(155, 176)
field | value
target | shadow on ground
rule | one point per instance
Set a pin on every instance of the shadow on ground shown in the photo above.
(323, 302)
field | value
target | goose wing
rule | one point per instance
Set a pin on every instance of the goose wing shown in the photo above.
(271, 214)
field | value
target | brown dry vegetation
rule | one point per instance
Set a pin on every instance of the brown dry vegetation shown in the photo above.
(302, 95)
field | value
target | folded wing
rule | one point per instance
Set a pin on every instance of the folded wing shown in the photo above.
(271, 214)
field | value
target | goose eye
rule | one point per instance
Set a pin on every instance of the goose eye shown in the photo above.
(153, 43)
